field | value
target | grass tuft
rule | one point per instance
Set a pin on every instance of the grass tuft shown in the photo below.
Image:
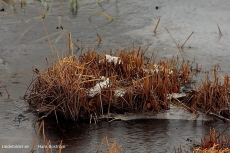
(93, 84)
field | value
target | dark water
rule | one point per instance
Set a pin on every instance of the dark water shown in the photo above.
(143, 136)
(24, 45)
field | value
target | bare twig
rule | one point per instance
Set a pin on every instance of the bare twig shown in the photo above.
(102, 14)
(155, 29)
(71, 39)
(175, 43)
(192, 110)
(220, 33)
(220, 117)
(99, 38)
(70, 45)
(7, 92)
(48, 38)
(186, 40)
(41, 125)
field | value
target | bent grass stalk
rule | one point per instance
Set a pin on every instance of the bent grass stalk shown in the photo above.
(177, 45)
(220, 33)
(101, 14)
(186, 40)
(155, 28)
(99, 38)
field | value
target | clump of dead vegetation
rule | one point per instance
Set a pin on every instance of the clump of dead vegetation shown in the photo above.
(211, 97)
(93, 84)
(110, 148)
(215, 143)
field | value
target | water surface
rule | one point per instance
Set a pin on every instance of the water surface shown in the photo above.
(24, 46)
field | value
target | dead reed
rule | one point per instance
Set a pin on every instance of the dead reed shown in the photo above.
(114, 148)
(212, 96)
(46, 145)
(220, 33)
(186, 40)
(101, 14)
(155, 28)
(216, 143)
(93, 84)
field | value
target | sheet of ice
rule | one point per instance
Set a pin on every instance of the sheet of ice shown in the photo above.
(176, 95)
(97, 88)
(175, 112)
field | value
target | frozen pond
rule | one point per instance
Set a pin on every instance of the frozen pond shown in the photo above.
(24, 46)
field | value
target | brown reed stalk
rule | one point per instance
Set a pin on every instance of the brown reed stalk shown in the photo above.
(103, 15)
(70, 45)
(177, 45)
(45, 141)
(99, 38)
(47, 35)
(37, 134)
(220, 33)
(8, 94)
(155, 28)
(186, 40)
(69, 36)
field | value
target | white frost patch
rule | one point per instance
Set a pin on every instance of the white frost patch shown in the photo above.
(97, 88)
(114, 59)
(176, 95)
(120, 92)
(156, 69)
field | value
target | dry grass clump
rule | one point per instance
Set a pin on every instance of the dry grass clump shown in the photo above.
(212, 150)
(94, 84)
(212, 96)
(110, 148)
(216, 143)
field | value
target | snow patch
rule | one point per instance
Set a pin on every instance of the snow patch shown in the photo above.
(120, 92)
(97, 88)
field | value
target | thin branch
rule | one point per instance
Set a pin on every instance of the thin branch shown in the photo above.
(220, 33)
(175, 43)
(155, 29)
(186, 40)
